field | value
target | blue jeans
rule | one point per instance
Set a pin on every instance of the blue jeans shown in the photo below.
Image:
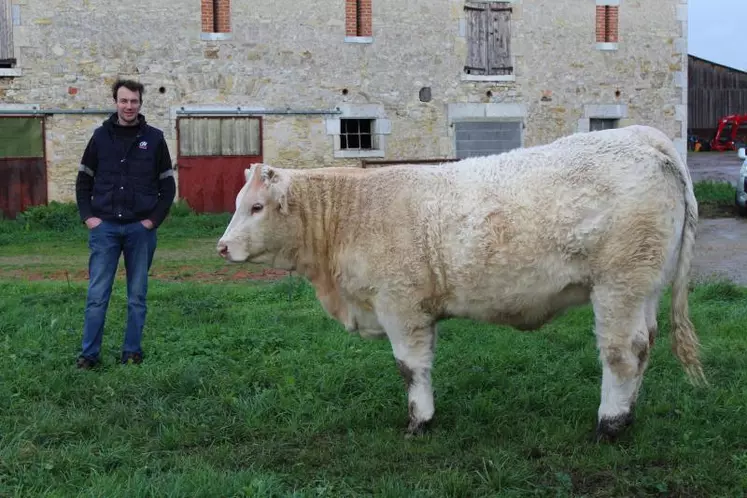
(106, 242)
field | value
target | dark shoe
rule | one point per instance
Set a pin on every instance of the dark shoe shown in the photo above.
(134, 358)
(86, 363)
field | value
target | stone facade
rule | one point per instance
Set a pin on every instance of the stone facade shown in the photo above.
(286, 55)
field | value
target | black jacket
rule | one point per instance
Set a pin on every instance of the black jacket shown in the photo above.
(125, 174)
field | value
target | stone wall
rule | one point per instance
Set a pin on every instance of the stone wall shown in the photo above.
(286, 54)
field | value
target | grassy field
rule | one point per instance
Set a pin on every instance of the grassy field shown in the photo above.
(248, 389)
(715, 199)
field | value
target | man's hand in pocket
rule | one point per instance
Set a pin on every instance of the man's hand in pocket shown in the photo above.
(93, 222)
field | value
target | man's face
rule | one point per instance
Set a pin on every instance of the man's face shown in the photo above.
(128, 106)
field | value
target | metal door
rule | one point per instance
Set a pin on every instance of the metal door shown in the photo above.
(213, 154)
(23, 172)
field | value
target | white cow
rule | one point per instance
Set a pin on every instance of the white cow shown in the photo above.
(606, 217)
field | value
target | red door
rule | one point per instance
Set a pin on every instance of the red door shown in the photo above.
(213, 154)
(23, 172)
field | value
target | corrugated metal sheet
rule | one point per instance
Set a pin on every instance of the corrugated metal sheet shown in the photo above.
(219, 136)
(21, 136)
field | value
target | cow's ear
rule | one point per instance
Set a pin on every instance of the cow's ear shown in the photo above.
(269, 175)
(278, 182)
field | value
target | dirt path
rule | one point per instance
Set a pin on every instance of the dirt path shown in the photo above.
(717, 166)
(721, 250)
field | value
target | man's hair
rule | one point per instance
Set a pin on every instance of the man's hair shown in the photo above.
(131, 85)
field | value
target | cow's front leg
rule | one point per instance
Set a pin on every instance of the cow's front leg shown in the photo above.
(413, 344)
(413, 353)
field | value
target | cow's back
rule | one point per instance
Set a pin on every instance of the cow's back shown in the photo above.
(515, 237)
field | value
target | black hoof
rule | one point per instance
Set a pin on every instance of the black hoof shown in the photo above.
(608, 429)
(416, 428)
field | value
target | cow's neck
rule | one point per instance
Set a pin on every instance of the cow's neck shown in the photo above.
(323, 205)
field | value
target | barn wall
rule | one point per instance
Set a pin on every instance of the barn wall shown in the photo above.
(714, 91)
(282, 54)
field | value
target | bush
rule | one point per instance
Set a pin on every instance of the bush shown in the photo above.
(55, 216)
(180, 209)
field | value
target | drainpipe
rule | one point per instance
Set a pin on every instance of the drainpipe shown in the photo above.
(238, 111)
(37, 112)
(180, 112)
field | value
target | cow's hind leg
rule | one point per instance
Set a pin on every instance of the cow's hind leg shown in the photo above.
(413, 348)
(622, 338)
(645, 336)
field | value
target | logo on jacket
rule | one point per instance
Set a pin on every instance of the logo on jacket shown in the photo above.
(143, 144)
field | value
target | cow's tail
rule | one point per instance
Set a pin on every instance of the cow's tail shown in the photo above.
(685, 343)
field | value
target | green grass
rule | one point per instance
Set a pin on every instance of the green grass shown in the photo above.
(714, 198)
(250, 390)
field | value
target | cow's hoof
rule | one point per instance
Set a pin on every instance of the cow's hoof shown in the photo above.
(417, 428)
(608, 429)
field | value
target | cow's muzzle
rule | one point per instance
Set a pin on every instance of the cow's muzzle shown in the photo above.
(222, 249)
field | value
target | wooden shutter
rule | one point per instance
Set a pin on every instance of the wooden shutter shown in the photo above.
(6, 35)
(477, 38)
(488, 36)
(499, 39)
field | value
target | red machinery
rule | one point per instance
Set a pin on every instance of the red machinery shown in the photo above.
(731, 130)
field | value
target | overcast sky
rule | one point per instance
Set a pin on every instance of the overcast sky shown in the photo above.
(717, 31)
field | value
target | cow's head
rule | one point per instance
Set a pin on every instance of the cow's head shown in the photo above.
(260, 228)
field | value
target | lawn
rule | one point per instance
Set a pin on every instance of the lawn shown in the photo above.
(248, 389)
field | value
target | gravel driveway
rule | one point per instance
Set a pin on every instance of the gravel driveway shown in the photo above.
(721, 244)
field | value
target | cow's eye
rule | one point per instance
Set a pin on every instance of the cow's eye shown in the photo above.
(256, 208)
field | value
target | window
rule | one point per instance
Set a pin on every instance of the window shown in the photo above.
(359, 131)
(357, 134)
(219, 136)
(603, 117)
(358, 25)
(216, 19)
(602, 124)
(607, 24)
(483, 138)
(488, 37)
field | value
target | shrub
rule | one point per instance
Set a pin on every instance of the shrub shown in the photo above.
(55, 216)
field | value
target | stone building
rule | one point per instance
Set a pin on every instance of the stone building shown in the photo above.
(333, 82)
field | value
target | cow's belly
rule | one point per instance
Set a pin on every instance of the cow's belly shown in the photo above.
(527, 310)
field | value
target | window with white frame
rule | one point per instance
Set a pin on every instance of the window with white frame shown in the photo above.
(359, 131)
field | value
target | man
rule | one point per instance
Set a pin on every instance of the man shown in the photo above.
(124, 190)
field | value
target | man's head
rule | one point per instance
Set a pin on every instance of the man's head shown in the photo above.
(128, 96)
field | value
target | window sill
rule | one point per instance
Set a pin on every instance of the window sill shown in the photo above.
(359, 39)
(358, 153)
(5, 72)
(488, 77)
(215, 36)
(606, 46)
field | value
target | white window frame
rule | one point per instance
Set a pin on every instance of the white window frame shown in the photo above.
(602, 111)
(382, 128)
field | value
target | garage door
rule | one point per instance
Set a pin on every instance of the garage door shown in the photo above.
(23, 175)
(482, 138)
(213, 153)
